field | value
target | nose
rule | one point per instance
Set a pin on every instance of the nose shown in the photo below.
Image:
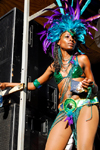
(71, 38)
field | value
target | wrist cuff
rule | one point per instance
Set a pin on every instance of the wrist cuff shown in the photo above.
(37, 83)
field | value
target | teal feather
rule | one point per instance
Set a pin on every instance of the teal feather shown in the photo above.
(72, 3)
(69, 113)
(60, 5)
(80, 51)
(85, 6)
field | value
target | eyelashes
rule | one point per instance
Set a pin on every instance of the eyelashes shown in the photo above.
(68, 36)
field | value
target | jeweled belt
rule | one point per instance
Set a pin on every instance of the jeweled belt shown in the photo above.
(70, 105)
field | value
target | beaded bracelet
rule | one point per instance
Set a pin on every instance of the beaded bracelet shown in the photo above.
(37, 83)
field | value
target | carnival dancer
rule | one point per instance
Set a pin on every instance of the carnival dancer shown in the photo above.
(78, 111)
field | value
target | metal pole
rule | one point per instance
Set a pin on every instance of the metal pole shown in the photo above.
(22, 108)
(41, 12)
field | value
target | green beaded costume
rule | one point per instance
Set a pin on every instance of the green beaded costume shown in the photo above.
(74, 105)
(75, 72)
(68, 19)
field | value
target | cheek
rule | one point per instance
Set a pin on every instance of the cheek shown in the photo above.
(63, 43)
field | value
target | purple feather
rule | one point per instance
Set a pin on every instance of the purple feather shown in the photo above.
(89, 26)
(80, 2)
(93, 18)
(90, 34)
(77, 16)
(43, 33)
(70, 120)
(58, 15)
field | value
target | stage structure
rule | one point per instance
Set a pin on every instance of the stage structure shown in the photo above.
(27, 18)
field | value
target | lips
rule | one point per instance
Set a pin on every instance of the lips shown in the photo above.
(70, 44)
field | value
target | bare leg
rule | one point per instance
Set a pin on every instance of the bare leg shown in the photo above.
(58, 136)
(86, 130)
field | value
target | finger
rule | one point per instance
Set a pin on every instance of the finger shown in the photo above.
(89, 81)
(85, 84)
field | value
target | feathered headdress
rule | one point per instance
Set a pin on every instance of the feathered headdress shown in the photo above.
(69, 20)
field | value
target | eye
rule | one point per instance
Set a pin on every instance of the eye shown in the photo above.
(67, 36)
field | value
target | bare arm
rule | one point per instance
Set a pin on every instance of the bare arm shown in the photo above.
(42, 79)
(89, 80)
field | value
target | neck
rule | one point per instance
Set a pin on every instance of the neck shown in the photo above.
(65, 54)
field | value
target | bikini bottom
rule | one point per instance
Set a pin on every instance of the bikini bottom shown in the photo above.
(70, 110)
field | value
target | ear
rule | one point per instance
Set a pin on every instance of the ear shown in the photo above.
(58, 43)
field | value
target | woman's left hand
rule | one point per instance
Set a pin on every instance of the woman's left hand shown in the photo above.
(87, 83)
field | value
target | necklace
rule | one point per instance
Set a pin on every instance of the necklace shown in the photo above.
(65, 66)
(67, 79)
(65, 59)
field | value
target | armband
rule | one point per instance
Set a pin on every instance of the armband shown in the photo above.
(37, 83)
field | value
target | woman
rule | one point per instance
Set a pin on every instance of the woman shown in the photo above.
(61, 132)
(78, 112)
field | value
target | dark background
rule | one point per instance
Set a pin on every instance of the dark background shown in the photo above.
(41, 103)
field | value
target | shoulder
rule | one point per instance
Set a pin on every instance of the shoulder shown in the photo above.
(83, 59)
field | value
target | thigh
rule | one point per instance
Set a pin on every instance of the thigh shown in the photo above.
(59, 136)
(86, 130)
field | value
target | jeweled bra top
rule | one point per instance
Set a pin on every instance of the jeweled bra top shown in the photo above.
(77, 72)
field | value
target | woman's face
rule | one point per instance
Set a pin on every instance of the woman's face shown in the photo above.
(67, 42)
